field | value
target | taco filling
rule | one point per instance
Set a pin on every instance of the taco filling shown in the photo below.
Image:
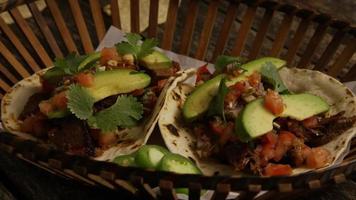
(244, 116)
(87, 100)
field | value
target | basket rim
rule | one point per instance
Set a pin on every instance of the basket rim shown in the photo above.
(36, 151)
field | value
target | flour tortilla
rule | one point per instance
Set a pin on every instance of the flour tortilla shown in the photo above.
(179, 137)
(130, 139)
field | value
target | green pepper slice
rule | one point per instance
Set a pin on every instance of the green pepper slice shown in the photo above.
(149, 156)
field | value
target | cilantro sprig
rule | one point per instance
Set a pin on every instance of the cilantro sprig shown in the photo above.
(223, 61)
(80, 103)
(270, 74)
(124, 113)
(217, 104)
(71, 64)
(132, 46)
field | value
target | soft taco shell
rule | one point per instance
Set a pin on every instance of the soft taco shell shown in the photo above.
(130, 139)
(179, 137)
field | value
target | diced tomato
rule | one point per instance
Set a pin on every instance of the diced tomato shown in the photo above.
(240, 86)
(108, 54)
(286, 138)
(201, 72)
(85, 79)
(273, 102)
(45, 107)
(60, 100)
(311, 122)
(277, 170)
(267, 152)
(285, 141)
(138, 92)
(318, 157)
(106, 140)
(270, 138)
(300, 154)
(217, 126)
(231, 97)
(254, 79)
(161, 83)
(228, 133)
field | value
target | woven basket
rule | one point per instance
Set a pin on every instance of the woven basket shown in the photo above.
(250, 28)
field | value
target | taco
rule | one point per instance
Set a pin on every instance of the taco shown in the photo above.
(258, 118)
(100, 105)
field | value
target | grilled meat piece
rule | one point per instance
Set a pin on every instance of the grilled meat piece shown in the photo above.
(327, 129)
(328, 132)
(71, 135)
(237, 154)
(31, 106)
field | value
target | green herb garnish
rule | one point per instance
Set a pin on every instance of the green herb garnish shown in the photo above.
(71, 64)
(80, 103)
(132, 46)
(124, 113)
(217, 104)
(270, 74)
(223, 61)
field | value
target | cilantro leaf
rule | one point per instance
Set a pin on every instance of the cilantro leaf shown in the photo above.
(80, 103)
(133, 38)
(223, 61)
(147, 47)
(270, 74)
(132, 46)
(217, 104)
(127, 48)
(70, 65)
(124, 113)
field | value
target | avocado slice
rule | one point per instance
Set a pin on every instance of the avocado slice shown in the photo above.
(156, 61)
(198, 101)
(118, 81)
(255, 120)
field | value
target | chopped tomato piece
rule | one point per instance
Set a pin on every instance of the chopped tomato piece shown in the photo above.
(108, 54)
(217, 126)
(300, 154)
(286, 138)
(311, 122)
(270, 138)
(45, 107)
(267, 152)
(285, 142)
(202, 73)
(254, 79)
(106, 140)
(85, 79)
(161, 84)
(231, 97)
(60, 100)
(273, 102)
(277, 170)
(318, 157)
(240, 86)
(138, 92)
(228, 133)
